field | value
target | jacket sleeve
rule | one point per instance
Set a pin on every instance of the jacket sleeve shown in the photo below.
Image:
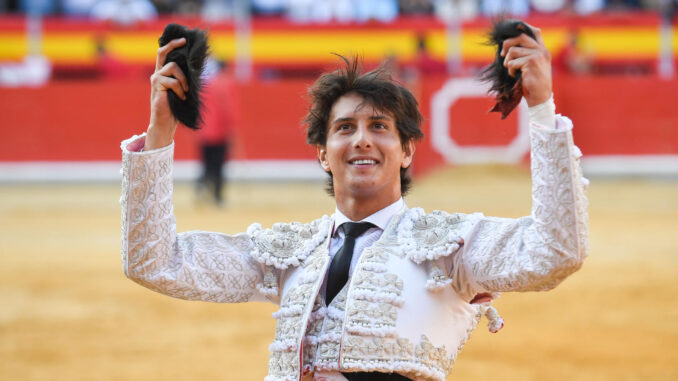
(193, 265)
(537, 252)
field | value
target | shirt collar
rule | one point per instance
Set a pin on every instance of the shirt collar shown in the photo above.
(380, 219)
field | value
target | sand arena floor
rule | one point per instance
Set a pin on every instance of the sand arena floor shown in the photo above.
(68, 313)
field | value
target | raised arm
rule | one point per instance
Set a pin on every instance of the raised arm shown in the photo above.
(193, 265)
(536, 252)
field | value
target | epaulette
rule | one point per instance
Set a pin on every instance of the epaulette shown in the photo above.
(427, 237)
(287, 244)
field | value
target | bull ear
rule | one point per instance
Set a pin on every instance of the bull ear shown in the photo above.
(508, 90)
(191, 59)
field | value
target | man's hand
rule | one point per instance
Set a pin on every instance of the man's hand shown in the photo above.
(534, 62)
(166, 77)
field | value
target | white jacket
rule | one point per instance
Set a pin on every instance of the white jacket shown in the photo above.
(406, 307)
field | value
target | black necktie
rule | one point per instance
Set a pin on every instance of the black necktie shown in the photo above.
(341, 262)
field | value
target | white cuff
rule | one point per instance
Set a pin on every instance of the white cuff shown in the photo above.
(544, 114)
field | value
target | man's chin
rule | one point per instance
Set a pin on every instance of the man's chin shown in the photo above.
(364, 189)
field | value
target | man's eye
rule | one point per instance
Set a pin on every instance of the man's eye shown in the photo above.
(344, 127)
(379, 126)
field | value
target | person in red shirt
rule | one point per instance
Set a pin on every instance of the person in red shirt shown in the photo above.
(219, 117)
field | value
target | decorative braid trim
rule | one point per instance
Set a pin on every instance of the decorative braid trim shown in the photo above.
(378, 297)
(318, 314)
(285, 345)
(288, 312)
(417, 249)
(269, 286)
(254, 229)
(495, 322)
(372, 330)
(275, 378)
(404, 230)
(410, 368)
(326, 366)
(437, 278)
(287, 245)
(375, 267)
(335, 313)
(437, 284)
(267, 290)
(309, 277)
(324, 338)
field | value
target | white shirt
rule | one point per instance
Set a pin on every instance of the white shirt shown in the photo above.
(380, 219)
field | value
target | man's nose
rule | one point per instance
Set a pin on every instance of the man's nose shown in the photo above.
(362, 137)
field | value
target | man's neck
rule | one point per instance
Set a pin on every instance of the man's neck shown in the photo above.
(357, 208)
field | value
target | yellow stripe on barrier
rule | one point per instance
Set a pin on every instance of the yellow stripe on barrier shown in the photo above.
(69, 47)
(13, 46)
(304, 47)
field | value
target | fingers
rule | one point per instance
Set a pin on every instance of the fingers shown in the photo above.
(162, 83)
(517, 52)
(537, 33)
(523, 40)
(523, 50)
(517, 64)
(173, 70)
(164, 51)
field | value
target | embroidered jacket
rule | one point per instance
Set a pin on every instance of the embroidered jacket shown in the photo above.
(406, 307)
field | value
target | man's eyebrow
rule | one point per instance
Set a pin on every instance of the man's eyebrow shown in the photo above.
(346, 119)
(372, 117)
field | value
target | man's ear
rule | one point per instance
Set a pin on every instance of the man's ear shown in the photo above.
(408, 153)
(322, 157)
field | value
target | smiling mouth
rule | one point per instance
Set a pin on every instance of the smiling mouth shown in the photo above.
(363, 162)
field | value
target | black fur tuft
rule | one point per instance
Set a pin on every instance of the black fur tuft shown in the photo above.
(191, 59)
(508, 89)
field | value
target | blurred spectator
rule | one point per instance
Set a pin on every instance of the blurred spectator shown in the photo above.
(188, 7)
(425, 63)
(342, 10)
(519, 8)
(460, 10)
(585, 7)
(269, 7)
(321, 11)
(124, 12)
(110, 67)
(416, 7)
(215, 10)
(165, 6)
(219, 119)
(548, 6)
(380, 10)
(7, 6)
(623, 4)
(77, 7)
(42, 7)
(573, 58)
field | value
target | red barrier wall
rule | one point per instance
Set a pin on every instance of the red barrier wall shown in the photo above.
(83, 120)
(615, 115)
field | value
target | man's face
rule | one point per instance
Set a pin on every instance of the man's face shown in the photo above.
(363, 150)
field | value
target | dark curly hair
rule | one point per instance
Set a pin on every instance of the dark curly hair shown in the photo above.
(378, 90)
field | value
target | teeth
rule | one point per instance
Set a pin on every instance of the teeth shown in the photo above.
(357, 162)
